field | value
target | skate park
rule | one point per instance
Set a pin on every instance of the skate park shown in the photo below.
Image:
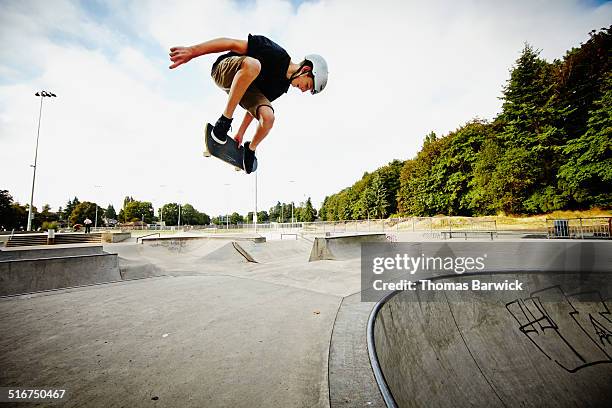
(276, 318)
(192, 216)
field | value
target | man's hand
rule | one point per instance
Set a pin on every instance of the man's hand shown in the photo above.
(180, 55)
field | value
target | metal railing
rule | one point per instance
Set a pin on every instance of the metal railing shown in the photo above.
(405, 224)
(580, 228)
(148, 235)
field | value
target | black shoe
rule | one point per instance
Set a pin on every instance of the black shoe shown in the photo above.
(248, 158)
(219, 131)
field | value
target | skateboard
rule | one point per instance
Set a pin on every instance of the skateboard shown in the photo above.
(230, 152)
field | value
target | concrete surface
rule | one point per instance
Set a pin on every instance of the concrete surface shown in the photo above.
(351, 381)
(215, 330)
(191, 341)
(547, 347)
(208, 325)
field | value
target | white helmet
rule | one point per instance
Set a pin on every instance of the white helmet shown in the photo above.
(319, 72)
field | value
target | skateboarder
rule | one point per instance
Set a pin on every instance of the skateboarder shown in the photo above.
(254, 73)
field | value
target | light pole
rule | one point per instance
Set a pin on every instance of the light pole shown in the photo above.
(161, 210)
(42, 94)
(255, 214)
(96, 220)
(226, 214)
(291, 181)
(179, 214)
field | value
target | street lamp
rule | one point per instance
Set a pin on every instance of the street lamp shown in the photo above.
(179, 216)
(255, 213)
(42, 94)
(96, 220)
(179, 212)
(161, 218)
(291, 181)
(226, 214)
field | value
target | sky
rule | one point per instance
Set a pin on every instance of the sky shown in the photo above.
(123, 124)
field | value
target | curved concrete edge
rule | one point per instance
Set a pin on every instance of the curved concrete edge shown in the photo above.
(378, 374)
(351, 380)
(376, 367)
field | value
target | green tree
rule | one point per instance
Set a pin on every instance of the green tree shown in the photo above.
(169, 213)
(47, 215)
(419, 184)
(70, 206)
(138, 211)
(579, 80)
(20, 216)
(587, 174)
(308, 213)
(274, 212)
(84, 210)
(110, 212)
(7, 215)
(262, 216)
(191, 216)
(530, 114)
(236, 219)
(12, 214)
(379, 201)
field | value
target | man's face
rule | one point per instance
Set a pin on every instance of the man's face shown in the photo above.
(303, 82)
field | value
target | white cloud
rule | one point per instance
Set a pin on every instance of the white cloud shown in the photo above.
(398, 69)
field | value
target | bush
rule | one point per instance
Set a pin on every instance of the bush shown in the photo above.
(46, 226)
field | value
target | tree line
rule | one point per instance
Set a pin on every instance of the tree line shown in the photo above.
(14, 215)
(550, 148)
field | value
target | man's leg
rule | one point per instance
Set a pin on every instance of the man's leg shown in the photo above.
(235, 79)
(266, 121)
(247, 73)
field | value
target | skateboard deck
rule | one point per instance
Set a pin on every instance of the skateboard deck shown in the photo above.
(230, 152)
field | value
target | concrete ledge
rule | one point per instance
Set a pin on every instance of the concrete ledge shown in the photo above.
(112, 237)
(34, 275)
(172, 240)
(342, 246)
(36, 252)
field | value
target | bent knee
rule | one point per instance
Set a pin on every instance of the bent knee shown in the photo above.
(251, 65)
(266, 117)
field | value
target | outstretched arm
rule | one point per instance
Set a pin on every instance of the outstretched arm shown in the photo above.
(181, 55)
(248, 118)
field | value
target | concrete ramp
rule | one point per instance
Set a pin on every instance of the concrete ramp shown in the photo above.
(230, 252)
(39, 274)
(549, 346)
(289, 251)
(342, 247)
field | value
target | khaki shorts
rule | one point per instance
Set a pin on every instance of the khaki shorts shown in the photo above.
(224, 74)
